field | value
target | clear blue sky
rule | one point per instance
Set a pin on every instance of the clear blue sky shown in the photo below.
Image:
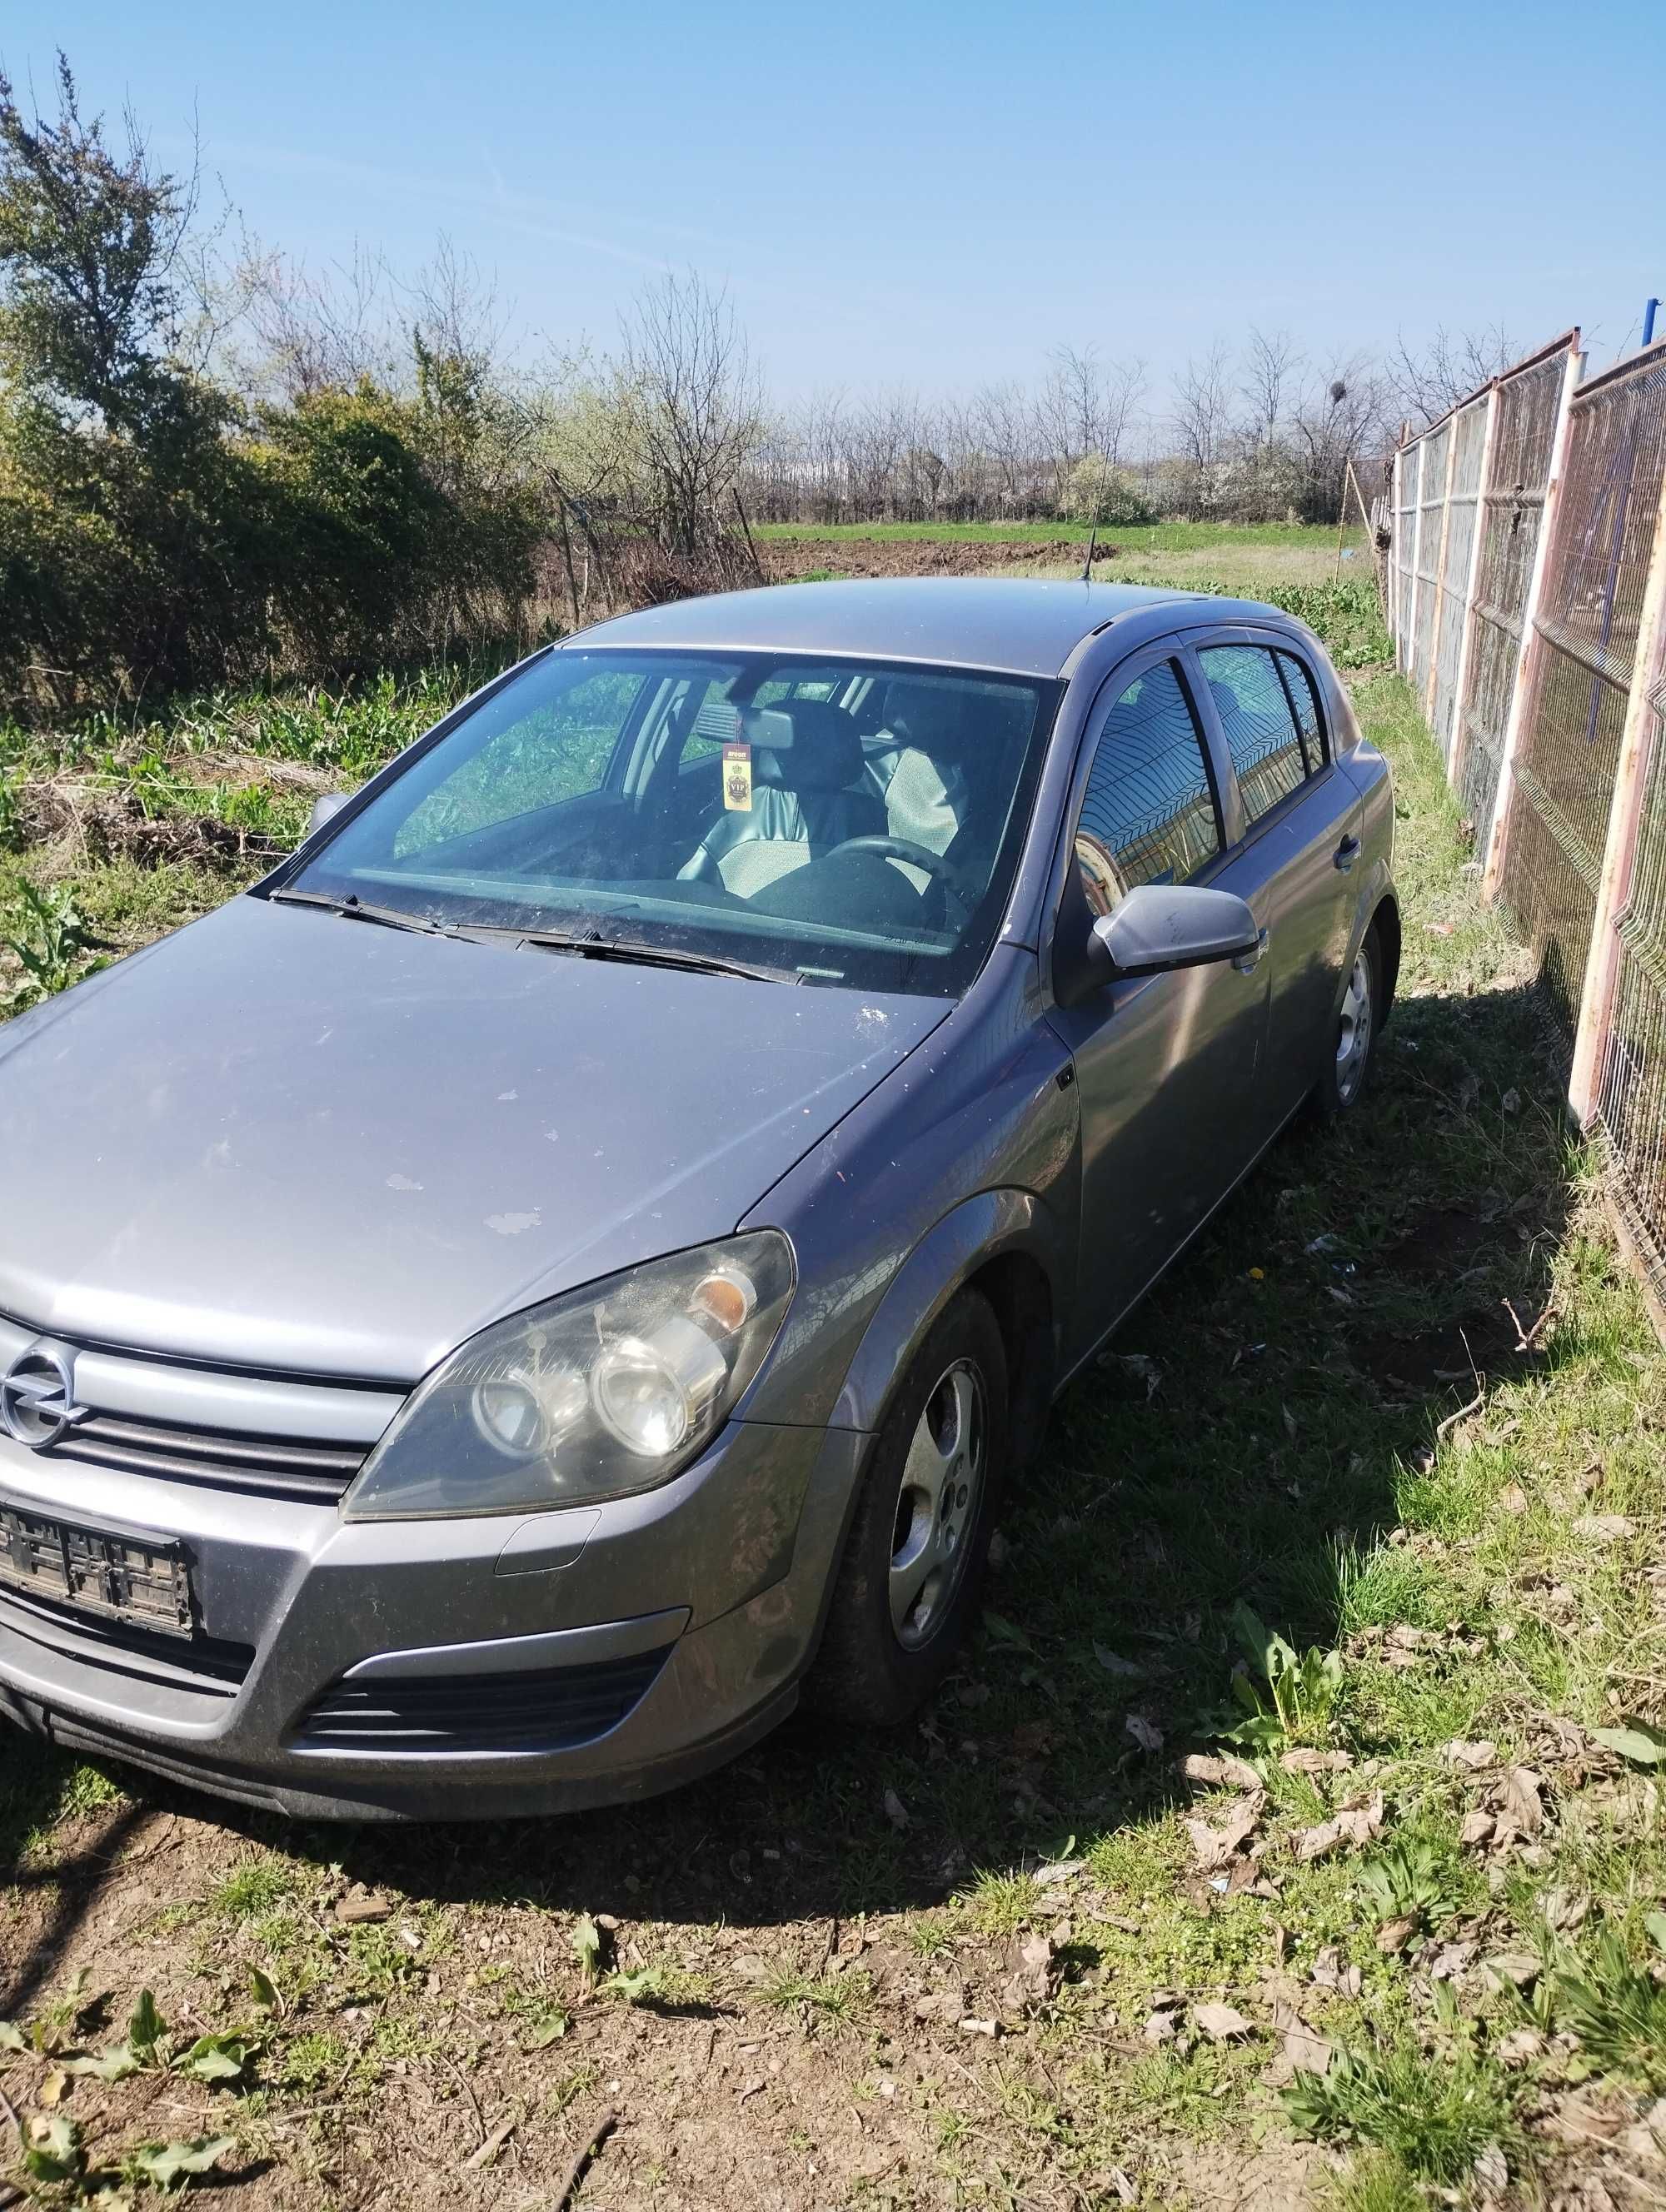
(932, 192)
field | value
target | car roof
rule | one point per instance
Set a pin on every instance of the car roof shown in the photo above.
(1025, 626)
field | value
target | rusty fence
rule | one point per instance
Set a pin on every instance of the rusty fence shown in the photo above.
(1527, 597)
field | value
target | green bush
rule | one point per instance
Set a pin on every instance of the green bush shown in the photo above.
(155, 534)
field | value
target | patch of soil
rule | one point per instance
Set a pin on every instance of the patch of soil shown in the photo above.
(789, 558)
(1448, 1354)
(1439, 1241)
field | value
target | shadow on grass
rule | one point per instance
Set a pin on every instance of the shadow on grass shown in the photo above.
(1250, 1435)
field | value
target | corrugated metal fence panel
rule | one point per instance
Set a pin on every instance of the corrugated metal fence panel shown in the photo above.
(1574, 717)
(1405, 545)
(1592, 620)
(1631, 1094)
(1463, 511)
(1512, 502)
(1432, 511)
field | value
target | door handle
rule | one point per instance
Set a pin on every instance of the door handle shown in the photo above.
(1247, 963)
(1347, 853)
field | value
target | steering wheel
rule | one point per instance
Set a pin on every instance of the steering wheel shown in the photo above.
(903, 849)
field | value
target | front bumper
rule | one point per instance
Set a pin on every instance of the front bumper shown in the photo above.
(674, 1626)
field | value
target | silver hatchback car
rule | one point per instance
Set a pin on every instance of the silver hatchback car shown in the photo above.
(565, 1266)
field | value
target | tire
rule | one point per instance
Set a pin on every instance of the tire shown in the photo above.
(883, 1653)
(1348, 1066)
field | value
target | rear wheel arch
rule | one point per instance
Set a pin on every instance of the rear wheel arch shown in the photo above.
(1386, 922)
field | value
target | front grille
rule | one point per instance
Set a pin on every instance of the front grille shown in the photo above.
(260, 1467)
(207, 1664)
(556, 1709)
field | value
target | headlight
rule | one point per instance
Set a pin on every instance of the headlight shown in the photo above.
(606, 1391)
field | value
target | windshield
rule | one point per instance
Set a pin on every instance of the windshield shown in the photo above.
(841, 823)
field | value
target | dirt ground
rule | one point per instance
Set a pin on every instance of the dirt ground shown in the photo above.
(790, 559)
(1249, 570)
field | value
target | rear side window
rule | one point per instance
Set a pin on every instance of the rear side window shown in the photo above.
(1259, 723)
(1298, 682)
(1149, 813)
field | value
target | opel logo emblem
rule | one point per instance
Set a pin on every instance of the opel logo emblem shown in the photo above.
(37, 1398)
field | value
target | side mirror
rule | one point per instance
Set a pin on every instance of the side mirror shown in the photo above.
(326, 809)
(1159, 927)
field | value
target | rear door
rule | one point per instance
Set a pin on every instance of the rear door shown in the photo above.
(1295, 822)
(1168, 1067)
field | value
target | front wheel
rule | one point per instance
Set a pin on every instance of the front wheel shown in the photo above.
(907, 1585)
(1348, 1067)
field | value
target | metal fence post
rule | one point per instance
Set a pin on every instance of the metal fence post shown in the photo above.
(1408, 587)
(1619, 851)
(1495, 834)
(1460, 726)
(1394, 551)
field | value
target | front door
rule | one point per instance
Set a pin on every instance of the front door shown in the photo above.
(1170, 1068)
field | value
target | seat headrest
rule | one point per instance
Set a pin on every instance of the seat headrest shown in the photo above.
(923, 714)
(817, 743)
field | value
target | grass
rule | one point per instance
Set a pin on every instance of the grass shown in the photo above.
(1349, 1439)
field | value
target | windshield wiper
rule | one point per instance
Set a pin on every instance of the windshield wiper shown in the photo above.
(597, 947)
(352, 909)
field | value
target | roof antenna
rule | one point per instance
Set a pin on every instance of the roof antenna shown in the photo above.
(1087, 565)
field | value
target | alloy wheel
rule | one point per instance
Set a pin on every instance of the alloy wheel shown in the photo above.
(937, 1504)
(1354, 1032)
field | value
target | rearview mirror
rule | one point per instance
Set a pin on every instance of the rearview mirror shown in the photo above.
(326, 809)
(1161, 926)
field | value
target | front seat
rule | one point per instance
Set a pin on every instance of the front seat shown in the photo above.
(909, 768)
(806, 759)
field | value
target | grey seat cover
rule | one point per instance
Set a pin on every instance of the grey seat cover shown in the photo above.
(803, 804)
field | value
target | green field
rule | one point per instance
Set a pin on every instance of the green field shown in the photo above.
(1142, 538)
(1401, 1944)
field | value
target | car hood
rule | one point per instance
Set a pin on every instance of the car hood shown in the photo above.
(284, 1139)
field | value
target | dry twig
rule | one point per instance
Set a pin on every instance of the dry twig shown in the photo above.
(581, 2158)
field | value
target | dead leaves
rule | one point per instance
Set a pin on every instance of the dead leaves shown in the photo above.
(1031, 1973)
(1517, 1800)
(1316, 1762)
(1604, 1528)
(1226, 1774)
(1358, 1822)
(1470, 1757)
(1213, 1846)
(1222, 2023)
(1330, 1972)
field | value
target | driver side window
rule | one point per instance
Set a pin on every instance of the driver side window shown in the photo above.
(1149, 813)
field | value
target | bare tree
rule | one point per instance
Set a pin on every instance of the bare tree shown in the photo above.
(1002, 423)
(1270, 365)
(695, 400)
(1203, 424)
(1085, 409)
(1339, 417)
(306, 331)
(1452, 365)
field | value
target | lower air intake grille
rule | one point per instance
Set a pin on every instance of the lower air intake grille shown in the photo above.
(555, 1711)
(206, 1664)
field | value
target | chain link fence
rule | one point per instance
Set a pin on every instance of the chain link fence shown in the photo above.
(1528, 600)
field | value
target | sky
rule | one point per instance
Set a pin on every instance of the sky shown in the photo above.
(931, 194)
